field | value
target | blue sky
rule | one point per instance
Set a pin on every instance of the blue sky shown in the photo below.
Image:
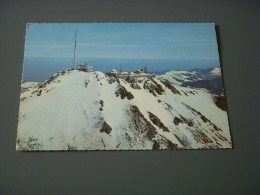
(161, 46)
(123, 40)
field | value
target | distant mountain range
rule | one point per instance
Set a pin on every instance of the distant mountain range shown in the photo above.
(209, 79)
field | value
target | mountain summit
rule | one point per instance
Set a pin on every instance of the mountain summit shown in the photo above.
(76, 110)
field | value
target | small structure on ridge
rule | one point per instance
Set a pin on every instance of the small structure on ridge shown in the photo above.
(85, 67)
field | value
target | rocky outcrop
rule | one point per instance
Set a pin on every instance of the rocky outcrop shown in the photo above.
(53, 77)
(134, 85)
(122, 92)
(39, 93)
(153, 87)
(156, 145)
(220, 102)
(106, 128)
(101, 105)
(201, 137)
(177, 120)
(157, 122)
(171, 87)
(142, 124)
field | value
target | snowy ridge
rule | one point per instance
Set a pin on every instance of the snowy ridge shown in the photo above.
(181, 77)
(215, 71)
(76, 110)
(209, 79)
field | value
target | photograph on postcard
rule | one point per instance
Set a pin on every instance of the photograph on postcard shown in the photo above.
(122, 86)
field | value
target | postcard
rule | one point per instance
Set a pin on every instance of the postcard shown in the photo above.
(122, 86)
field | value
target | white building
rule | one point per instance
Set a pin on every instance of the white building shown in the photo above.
(85, 67)
(129, 75)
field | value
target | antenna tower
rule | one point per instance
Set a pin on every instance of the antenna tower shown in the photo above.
(74, 65)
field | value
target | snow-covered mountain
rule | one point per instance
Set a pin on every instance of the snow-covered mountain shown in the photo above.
(180, 77)
(215, 72)
(76, 110)
(209, 73)
(209, 79)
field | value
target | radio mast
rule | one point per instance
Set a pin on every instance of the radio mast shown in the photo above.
(75, 50)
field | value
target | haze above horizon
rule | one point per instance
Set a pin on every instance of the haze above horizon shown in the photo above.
(162, 46)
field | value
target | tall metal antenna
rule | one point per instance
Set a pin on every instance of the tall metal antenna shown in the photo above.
(75, 50)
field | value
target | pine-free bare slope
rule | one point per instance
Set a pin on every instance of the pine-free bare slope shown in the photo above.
(76, 110)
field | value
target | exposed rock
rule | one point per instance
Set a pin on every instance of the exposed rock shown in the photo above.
(190, 123)
(124, 93)
(221, 137)
(152, 92)
(177, 120)
(200, 136)
(51, 79)
(39, 93)
(220, 102)
(184, 93)
(106, 128)
(203, 118)
(134, 85)
(171, 145)
(152, 86)
(215, 127)
(156, 145)
(151, 133)
(159, 89)
(171, 87)
(183, 120)
(169, 107)
(162, 142)
(23, 98)
(24, 89)
(142, 124)
(157, 122)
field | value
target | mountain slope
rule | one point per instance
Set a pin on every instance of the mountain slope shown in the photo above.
(213, 85)
(76, 110)
(180, 77)
(209, 79)
(209, 73)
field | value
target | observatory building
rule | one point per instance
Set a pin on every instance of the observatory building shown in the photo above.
(85, 67)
